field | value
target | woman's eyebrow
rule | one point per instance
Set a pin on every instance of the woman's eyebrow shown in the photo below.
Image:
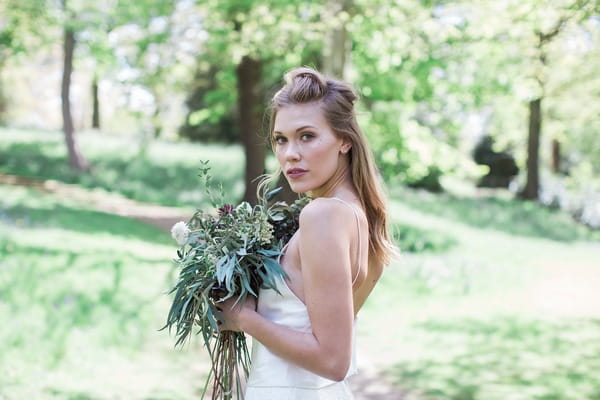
(298, 129)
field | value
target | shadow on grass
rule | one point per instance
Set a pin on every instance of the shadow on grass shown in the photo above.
(504, 357)
(523, 218)
(417, 240)
(86, 222)
(74, 257)
(135, 177)
(92, 290)
(69, 395)
(82, 282)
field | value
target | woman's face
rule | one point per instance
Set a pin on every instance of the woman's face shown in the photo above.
(307, 149)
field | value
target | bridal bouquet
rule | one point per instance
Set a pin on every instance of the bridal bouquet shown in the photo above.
(230, 254)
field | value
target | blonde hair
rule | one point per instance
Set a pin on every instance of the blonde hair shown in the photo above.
(305, 85)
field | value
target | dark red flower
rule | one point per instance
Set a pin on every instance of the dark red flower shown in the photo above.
(226, 209)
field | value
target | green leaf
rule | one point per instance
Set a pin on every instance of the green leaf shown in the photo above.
(229, 268)
(247, 286)
(221, 267)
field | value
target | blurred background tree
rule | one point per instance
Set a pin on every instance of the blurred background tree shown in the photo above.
(435, 77)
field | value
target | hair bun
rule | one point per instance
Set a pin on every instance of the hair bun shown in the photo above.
(305, 72)
(306, 84)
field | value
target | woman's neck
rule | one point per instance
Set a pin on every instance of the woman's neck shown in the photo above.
(340, 185)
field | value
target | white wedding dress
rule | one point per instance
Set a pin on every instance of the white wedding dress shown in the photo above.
(274, 378)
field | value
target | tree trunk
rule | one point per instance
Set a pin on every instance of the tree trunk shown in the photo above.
(95, 104)
(555, 156)
(531, 189)
(250, 111)
(336, 45)
(76, 160)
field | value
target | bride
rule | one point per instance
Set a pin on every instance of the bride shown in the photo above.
(304, 335)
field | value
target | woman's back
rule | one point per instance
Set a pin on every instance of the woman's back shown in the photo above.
(273, 377)
(358, 255)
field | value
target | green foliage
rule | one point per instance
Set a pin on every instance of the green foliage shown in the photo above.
(236, 29)
(408, 153)
(202, 122)
(17, 20)
(530, 51)
(424, 69)
(436, 65)
(284, 217)
(575, 123)
(406, 79)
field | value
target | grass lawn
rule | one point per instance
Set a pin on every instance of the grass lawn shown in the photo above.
(510, 311)
(165, 173)
(82, 299)
(492, 298)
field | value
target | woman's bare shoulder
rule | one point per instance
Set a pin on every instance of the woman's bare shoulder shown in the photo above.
(325, 240)
(323, 211)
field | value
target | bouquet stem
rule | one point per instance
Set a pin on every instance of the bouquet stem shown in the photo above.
(229, 354)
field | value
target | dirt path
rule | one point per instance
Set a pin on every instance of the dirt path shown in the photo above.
(368, 384)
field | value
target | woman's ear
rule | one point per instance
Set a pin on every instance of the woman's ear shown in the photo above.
(346, 148)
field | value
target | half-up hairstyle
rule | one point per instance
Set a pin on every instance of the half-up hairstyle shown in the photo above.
(336, 98)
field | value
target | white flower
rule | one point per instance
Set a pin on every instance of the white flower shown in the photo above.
(180, 232)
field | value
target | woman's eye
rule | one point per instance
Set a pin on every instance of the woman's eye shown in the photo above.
(307, 136)
(280, 140)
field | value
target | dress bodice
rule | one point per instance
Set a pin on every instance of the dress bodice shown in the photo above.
(267, 369)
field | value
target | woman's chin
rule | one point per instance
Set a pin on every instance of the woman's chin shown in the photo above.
(298, 187)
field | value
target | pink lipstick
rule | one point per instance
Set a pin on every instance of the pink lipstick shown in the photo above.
(296, 173)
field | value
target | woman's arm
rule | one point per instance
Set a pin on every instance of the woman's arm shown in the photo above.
(325, 234)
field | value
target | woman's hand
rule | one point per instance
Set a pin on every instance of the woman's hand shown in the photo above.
(234, 314)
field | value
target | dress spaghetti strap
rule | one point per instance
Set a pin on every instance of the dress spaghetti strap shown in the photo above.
(358, 228)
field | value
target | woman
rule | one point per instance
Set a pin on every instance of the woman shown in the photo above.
(304, 335)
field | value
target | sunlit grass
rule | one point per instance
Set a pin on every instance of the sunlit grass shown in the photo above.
(492, 298)
(82, 296)
(501, 357)
(495, 316)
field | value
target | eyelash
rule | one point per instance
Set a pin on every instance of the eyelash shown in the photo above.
(310, 135)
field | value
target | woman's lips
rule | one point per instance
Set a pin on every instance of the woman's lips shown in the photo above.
(296, 173)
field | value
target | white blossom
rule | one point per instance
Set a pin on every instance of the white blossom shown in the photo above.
(180, 232)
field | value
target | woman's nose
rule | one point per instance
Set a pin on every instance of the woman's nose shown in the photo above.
(292, 152)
